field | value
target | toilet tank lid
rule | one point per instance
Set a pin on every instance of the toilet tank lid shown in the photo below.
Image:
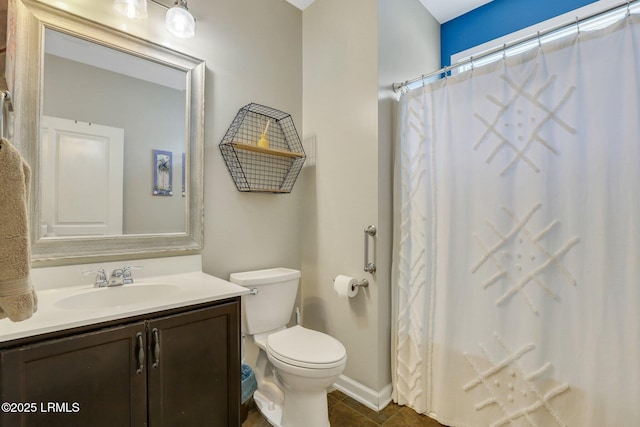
(263, 277)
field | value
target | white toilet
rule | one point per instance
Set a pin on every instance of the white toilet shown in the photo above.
(295, 365)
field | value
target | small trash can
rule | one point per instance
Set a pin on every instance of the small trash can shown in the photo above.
(249, 385)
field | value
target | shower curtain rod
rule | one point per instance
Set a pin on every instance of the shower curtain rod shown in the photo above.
(397, 87)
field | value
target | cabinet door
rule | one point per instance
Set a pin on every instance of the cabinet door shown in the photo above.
(194, 368)
(85, 380)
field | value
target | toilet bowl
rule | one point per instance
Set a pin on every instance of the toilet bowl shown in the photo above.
(295, 365)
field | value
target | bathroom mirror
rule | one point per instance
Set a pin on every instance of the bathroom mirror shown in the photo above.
(112, 127)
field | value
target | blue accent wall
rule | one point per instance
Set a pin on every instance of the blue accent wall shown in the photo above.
(496, 19)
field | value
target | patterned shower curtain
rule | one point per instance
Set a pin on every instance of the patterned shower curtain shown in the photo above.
(517, 239)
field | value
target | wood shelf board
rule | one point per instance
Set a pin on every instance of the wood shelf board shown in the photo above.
(262, 150)
(265, 190)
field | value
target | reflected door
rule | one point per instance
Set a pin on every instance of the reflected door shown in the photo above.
(82, 178)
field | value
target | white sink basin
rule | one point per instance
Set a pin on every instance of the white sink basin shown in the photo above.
(116, 296)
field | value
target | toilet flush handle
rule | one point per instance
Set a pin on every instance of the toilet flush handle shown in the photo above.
(254, 291)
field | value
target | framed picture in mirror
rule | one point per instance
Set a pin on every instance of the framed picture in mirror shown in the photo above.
(162, 173)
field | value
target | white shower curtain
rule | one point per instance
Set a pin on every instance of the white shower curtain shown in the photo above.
(517, 239)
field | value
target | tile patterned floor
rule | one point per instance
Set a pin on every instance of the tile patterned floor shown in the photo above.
(347, 412)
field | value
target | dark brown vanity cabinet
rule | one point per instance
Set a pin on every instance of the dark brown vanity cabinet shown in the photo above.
(195, 381)
(90, 377)
(178, 369)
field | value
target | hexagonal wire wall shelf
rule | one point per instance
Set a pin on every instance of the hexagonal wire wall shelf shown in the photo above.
(262, 150)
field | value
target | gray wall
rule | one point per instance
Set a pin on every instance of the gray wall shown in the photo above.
(353, 51)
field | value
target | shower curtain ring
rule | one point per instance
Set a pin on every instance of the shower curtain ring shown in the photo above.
(504, 51)
(539, 41)
(628, 7)
(578, 24)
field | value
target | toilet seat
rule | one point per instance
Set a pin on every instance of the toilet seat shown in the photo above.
(306, 348)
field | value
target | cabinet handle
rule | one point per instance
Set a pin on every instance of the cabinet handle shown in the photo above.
(140, 353)
(156, 347)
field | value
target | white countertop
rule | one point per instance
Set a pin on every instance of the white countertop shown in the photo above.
(185, 289)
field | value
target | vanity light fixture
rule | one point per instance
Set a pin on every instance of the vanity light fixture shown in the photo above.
(179, 21)
(135, 9)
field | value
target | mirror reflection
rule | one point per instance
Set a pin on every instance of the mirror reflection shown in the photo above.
(113, 142)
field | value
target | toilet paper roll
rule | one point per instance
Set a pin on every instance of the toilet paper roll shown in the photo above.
(345, 286)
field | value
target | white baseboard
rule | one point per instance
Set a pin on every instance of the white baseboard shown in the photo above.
(370, 398)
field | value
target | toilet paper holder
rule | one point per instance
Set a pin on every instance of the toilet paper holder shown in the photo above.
(364, 283)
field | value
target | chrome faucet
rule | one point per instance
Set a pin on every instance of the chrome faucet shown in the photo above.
(118, 277)
(122, 276)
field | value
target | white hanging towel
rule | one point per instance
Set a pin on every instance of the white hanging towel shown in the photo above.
(18, 300)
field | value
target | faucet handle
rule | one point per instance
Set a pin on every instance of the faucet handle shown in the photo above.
(127, 277)
(101, 277)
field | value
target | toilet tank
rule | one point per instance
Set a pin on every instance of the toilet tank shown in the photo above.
(271, 306)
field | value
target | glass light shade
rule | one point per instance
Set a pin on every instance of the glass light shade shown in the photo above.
(180, 22)
(136, 9)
